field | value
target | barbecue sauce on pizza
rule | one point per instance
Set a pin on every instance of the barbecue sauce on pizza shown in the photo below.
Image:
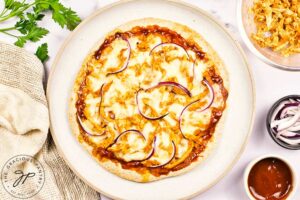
(199, 141)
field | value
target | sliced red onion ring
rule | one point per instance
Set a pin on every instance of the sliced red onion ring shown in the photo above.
(289, 123)
(166, 83)
(168, 161)
(289, 140)
(292, 137)
(141, 134)
(212, 97)
(150, 154)
(86, 130)
(178, 85)
(169, 43)
(288, 134)
(275, 123)
(127, 131)
(125, 65)
(211, 94)
(285, 123)
(296, 127)
(124, 133)
(140, 111)
(181, 114)
(286, 105)
(277, 110)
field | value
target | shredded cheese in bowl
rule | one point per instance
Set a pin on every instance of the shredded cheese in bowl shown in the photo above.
(277, 25)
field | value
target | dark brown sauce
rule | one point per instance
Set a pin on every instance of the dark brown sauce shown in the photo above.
(210, 75)
(270, 179)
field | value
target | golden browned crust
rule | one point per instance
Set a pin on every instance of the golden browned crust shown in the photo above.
(187, 33)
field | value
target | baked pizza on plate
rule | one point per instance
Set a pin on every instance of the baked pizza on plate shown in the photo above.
(149, 100)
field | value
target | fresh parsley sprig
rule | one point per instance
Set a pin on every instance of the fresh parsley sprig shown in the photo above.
(27, 21)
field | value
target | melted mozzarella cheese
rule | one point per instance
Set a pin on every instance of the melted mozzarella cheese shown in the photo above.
(182, 147)
(120, 97)
(193, 120)
(173, 70)
(163, 149)
(111, 59)
(131, 148)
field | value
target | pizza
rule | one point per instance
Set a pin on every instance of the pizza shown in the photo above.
(149, 100)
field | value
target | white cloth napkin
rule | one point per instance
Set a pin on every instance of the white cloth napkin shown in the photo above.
(24, 125)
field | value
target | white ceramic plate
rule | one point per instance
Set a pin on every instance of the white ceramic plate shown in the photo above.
(240, 107)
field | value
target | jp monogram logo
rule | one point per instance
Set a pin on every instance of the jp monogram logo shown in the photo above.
(22, 176)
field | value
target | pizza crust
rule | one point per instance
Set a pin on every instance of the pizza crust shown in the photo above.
(185, 32)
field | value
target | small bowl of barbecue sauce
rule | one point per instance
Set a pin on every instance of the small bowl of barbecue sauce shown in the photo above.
(270, 178)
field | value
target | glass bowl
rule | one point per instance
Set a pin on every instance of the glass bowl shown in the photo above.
(247, 27)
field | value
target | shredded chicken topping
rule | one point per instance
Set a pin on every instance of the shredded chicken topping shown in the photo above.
(278, 25)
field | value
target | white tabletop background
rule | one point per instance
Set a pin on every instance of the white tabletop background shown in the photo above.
(271, 84)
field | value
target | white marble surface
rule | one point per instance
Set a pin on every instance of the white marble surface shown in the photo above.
(271, 84)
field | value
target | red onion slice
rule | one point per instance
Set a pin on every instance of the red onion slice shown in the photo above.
(127, 131)
(292, 137)
(168, 161)
(178, 85)
(141, 134)
(211, 94)
(277, 110)
(285, 123)
(169, 43)
(208, 105)
(289, 140)
(286, 109)
(86, 130)
(166, 83)
(125, 65)
(140, 111)
(275, 123)
(293, 101)
(150, 154)
(296, 127)
(286, 134)
(181, 114)
(289, 123)
(286, 105)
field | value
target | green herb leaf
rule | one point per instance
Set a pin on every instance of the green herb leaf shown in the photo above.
(24, 25)
(35, 16)
(27, 23)
(21, 41)
(14, 5)
(64, 16)
(42, 5)
(34, 34)
(16, 8)
(42, 52)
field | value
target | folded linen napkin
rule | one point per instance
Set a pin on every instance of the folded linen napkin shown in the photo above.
(24, 125)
